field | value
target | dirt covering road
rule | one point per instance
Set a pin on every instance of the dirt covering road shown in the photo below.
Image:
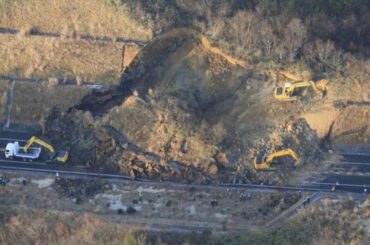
(186, 111)
(195, 109)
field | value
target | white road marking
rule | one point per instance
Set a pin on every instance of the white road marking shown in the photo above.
(349, 163)
(12, 140)
(340, 184)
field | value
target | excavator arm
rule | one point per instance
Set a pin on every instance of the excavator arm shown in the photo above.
(38, 141)
(61, 156)
(290, 76)
(266, 161)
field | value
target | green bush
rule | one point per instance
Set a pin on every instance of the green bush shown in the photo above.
(131, 210)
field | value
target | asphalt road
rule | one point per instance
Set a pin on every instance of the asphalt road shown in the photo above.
(353, 182)
(356, 158)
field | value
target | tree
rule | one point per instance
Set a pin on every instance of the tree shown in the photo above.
(267, 37)
(243, 30)
(323, 53)
(294, 36)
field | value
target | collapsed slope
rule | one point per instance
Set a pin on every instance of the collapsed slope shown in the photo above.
(184, 110)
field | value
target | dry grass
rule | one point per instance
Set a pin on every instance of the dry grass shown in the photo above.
(42, 227)
(33, 103)
(46, 57)
(94, 17)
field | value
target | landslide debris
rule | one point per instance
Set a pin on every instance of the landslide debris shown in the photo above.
(184, 111)
(296, 135)
(88, 143)
(183, 64)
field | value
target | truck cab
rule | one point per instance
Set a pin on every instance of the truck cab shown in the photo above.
(10, 149)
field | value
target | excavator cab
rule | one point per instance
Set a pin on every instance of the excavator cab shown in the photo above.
(264, 162)
(60, 156)
(285, 93)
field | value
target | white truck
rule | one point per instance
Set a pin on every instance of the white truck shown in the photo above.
(13, 150)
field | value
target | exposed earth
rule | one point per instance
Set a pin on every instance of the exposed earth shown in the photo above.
(186, 111)
(178, 97)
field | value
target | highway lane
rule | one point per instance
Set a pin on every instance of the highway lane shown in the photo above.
(9, 134)
(348, 179)
(52, 169)
(355, 158)
(351, 172)
(360, 168)
(340, 184)
(349, 182)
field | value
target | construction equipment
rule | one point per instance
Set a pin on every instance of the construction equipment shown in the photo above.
(268, 159)
(60, 156)
(290, 91)
(14, 150)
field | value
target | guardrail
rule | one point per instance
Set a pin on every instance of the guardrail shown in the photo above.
(59, 82)
(128, 42)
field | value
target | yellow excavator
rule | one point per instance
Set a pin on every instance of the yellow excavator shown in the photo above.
(60, 156)
(290, 90)
(268, 159)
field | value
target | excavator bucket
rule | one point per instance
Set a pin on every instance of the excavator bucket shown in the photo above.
(61, 156)
(290, 76)
(322, 85)
(260, 166)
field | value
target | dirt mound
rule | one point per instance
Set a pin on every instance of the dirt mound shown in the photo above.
(183, 64)
(184, 111)
(88, 143)
(296, 135)
(95, 144)
(342, 123)
(352, 125)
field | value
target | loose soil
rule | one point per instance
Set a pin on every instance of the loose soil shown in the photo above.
(188, 112)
